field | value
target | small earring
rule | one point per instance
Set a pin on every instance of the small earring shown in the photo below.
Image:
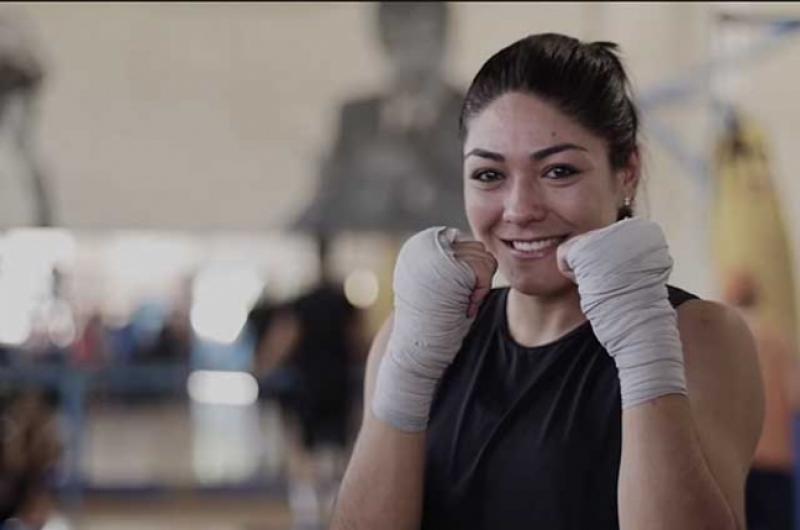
(626, 210)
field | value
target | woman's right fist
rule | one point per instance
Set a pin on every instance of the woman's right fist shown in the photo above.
(439, 282)
(483, 266)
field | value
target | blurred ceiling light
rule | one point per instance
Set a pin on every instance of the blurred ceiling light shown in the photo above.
(218, 323)
(15, 325)
(222, 297)
(28, 257)
(361, 288)
(222, 388)
(38, 248)
(56, 523)
(18, 298)
(147, 257)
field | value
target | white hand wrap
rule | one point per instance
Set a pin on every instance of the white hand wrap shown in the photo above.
(431, 296)
(622, 273)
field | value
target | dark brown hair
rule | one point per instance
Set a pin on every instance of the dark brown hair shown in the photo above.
(586, 81)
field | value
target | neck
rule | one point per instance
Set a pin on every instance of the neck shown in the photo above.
(538, 320)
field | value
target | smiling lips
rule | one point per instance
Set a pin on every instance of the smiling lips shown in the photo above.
(533, 248)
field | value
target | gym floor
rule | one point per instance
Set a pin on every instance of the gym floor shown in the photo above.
(182, 513)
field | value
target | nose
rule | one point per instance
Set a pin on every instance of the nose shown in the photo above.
(524, 203)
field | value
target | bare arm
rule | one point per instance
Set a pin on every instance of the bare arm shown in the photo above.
(382, 487)
(685, 460)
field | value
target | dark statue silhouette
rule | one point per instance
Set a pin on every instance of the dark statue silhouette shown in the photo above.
(395, 165)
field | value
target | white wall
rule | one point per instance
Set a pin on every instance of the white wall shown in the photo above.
(195, 116)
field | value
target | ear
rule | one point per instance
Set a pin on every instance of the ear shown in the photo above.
(628, 176)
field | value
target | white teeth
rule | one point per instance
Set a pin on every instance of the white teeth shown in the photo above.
(533, 246)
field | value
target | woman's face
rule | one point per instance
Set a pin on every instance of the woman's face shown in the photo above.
(534, 177)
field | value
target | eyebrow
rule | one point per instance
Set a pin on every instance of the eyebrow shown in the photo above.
(537, 155)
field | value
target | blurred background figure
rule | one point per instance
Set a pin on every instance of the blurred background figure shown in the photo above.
(172, 343)
(770, 485)
(92, 348)
(30, 448)
(394, 168)
(396, 157)
(26, 195)
(305, 359)
(753, 259)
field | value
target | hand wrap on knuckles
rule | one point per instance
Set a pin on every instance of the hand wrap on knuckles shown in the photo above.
(622, 273)
(431, 296)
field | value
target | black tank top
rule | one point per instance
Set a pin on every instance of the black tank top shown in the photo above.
(525, 438)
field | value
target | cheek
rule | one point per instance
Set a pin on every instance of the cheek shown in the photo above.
(586, 207)
(483, 211)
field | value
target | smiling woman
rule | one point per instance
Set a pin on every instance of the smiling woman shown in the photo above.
(534, 177)
(587, 394)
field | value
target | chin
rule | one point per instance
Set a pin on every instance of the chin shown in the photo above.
(543, 289)
(542, 283)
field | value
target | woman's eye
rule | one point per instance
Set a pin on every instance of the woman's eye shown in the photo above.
(486, 176)
(560, 172)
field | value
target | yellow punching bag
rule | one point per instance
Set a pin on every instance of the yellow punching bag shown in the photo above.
(748, 230)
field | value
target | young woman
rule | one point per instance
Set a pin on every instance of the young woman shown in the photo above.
(588, 394)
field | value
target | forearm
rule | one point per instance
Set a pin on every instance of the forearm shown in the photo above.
(437, 280)
(382, 488)
(665, 481)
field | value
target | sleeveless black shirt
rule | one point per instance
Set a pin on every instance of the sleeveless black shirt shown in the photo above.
(525, 438)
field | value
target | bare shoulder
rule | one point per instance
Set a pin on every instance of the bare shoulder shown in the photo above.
(699, 314)
(723, 376)
(715, 337)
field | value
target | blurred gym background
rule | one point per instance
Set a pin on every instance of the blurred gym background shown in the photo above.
(185, 189)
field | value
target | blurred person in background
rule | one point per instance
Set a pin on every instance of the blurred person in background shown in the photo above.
(589, 393)
(173, 341)
(29, 454)
(305, 359)
(770, 484)
(92, 349)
